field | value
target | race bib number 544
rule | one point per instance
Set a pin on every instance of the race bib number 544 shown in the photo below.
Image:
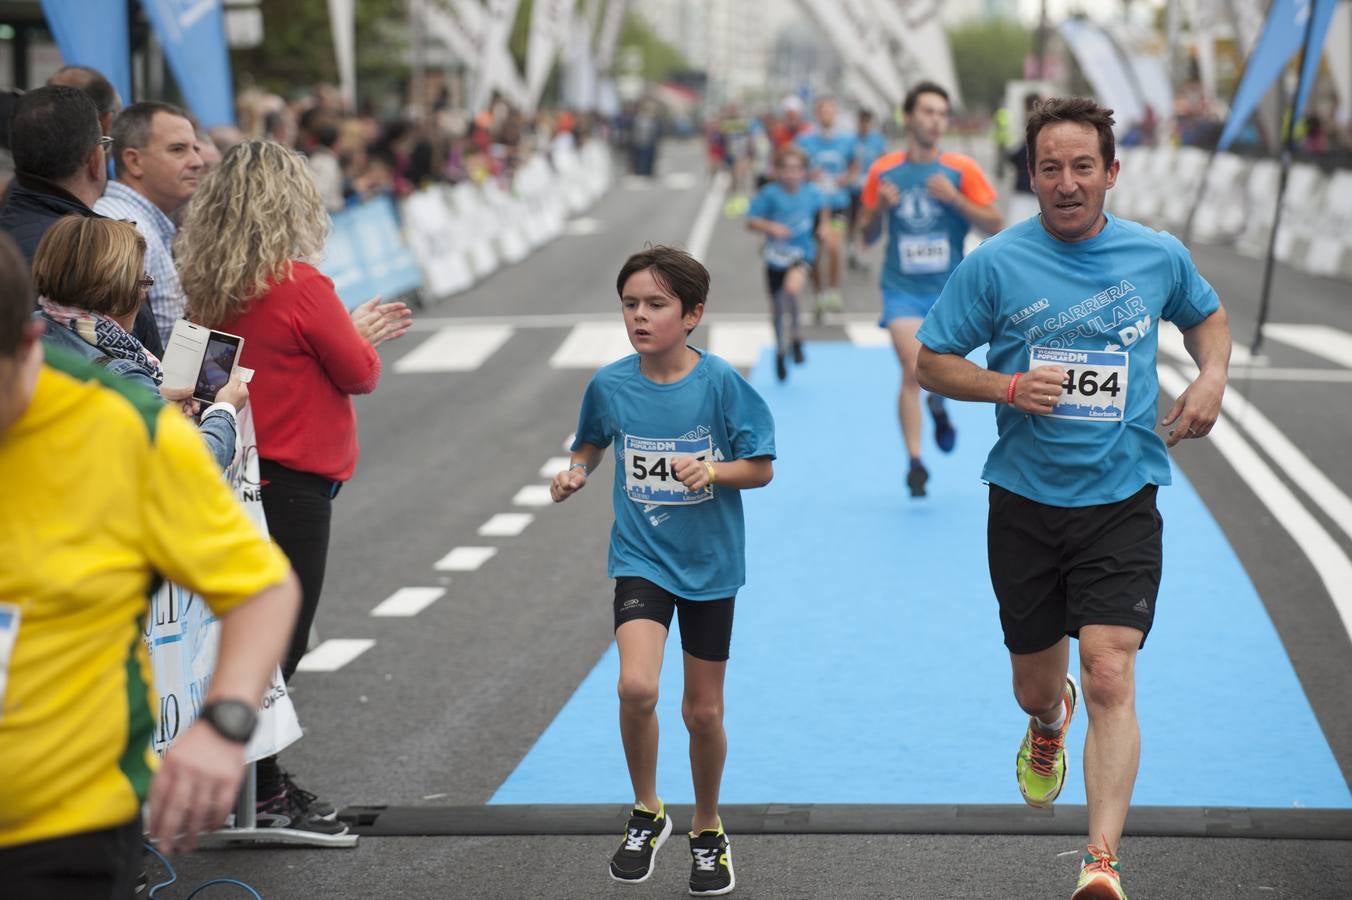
(648, 473)
(1095, 389)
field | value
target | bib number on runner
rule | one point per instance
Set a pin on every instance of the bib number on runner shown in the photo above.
(924, 255)
(649, 474)
(9, 635)
(1095, 389)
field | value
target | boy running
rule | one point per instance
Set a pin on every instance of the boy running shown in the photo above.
(690, 435)
(792, 216)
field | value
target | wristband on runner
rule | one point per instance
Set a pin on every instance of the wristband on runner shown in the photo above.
(1009, 391)
(709, 467)
(579, 465)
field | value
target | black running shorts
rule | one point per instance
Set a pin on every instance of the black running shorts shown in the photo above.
(706, 625)
(774, 278)
(1056, 569)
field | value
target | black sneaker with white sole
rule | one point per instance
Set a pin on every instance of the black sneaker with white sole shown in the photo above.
(644, 835)
(711, 864)
(309, 804)
(287, 810)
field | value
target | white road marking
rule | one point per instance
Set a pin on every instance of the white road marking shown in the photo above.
(637, 183)
(333, 654)
(867, 334)
(679, 181)
(408, 601)
(582, 225)
(1318, 340)
(740, 343)
(506, 525)
(707, 217)
(556, 464)
(591, 345)
(568, 320)
(1324, 553)
(533, 495)
(465, 559)
(461, 348)
(1260, 373)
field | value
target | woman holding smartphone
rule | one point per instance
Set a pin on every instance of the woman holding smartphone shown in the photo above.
(243, 254)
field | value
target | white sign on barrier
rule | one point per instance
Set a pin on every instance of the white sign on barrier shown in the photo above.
(182, 636)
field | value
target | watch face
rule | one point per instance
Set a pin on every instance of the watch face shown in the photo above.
(233, 719)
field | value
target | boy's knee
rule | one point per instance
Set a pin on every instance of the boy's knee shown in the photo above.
(638, 694)
(703, 718)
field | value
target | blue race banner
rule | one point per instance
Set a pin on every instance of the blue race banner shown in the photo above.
(1283, 34)
(193, 35)
(366, 255)
(93, 35)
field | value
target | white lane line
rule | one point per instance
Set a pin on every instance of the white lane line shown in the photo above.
(582, 226)
(506, 525)
(867, 334)
(533, 495)
(568, 320)
(408, 601)
(637, 183)
(740, 343)
(591, 345)
(555, 464)
(679, 181)
(455, 349)
(1317, 340)
(465, 559)
(1314, 376)
(333, 654)
(703, 228)
(1324, 553)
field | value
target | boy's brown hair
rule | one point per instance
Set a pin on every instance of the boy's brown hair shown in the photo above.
(675, 270)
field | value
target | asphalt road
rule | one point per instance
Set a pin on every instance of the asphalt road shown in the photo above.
(445, 704)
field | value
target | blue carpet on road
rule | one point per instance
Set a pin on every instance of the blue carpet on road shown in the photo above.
(867, 663)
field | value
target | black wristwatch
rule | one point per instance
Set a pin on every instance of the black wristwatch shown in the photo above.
(233, 720)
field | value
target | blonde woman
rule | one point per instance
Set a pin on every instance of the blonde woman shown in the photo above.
(91, 281)
(244, 261)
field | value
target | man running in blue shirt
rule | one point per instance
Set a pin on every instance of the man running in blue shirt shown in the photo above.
(1070, 303)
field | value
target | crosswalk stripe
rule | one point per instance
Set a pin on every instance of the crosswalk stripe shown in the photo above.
(533, 495)
(740, 343)
(333, 654)
(555, 464)
(591, 345)
(506, 524)
(465, 559)
(865, 334)
(408, 601)
(1319, 340)
(456, 349)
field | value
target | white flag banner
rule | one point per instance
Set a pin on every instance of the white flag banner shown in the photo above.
(182, 635)
(342, 22)
(609, 35)
(549, 24)
(852, 29)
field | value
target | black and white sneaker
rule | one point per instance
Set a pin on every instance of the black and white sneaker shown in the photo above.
(287, 810)
(711, 864)
(309, 804)
(644, 835)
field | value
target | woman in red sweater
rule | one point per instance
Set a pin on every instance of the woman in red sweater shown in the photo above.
(252, 224)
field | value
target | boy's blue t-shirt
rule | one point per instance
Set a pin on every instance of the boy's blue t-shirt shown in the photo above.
(1023, 289)
(867, 150)
(692, 544)
(831, 154)
(798, 210)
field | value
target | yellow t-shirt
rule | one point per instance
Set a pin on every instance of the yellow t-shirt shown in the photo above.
(101, 485)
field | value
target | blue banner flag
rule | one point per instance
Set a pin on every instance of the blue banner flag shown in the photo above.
(93, 35)
(1283, 34)
(193, 35)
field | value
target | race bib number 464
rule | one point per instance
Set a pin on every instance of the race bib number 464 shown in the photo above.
(648, 473)
(1095, 389)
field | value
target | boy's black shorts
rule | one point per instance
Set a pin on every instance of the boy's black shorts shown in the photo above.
(706, 625)
(774, 278)
(1056, 569)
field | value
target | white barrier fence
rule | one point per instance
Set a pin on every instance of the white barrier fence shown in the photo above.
(462, 234)
(1158, 186)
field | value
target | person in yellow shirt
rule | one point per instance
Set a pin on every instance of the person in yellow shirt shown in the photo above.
(103, 487)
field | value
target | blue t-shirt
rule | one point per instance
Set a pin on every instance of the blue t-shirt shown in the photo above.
(924, 237)
(692, 544)
(797, 210)
(867, 149)
(1024, 288)
(829, 154)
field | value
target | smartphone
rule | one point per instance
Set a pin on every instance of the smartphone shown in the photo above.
(200, 358)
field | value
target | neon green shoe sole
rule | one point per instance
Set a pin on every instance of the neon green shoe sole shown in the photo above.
(1041, 763)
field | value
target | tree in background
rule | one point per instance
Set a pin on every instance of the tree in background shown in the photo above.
(986, 54)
